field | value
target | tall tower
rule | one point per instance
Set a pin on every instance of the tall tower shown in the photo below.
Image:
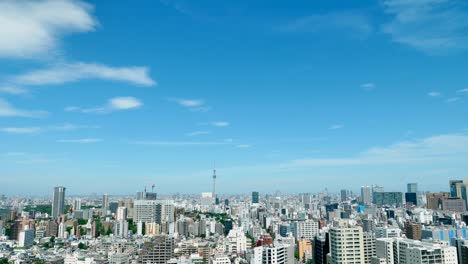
(58, 204)
(214, 184)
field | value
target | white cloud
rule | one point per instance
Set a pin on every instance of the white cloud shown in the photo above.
(351, 23)
(432, 26)
(113, 104)
(463, 91)
(368, 86)
(220, 124)
(70, 72)
(80, 141)
(417, 151)
(34, 130)
(434, 94)
(14, 90)
(195, 105)
(198, 133)
(243, 146)
(21, 130)
(7, 110)
(124, 103)
(180, 143)
(452, 99)
(336, 126)
(30, 28)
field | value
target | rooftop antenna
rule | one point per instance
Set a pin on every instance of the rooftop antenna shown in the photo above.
(152, 187)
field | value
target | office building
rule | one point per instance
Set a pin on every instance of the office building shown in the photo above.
(121, 214)
(158, 250)
(58, 203)
(366, 195)
(255, 197)
(273, 254)
(434, 200)
(105, 204)
(413, 230)
(412, 187)
(411, 198)
(346, 244)
(454, 204)
(153, 211)
(26, 238)
(369, 247)
(388, 198)
(321, 248)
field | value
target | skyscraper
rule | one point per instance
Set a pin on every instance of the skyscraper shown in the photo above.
(346, 244)
(58, 204)
(105, 204)
(366, 195)
(458, 189)
(255, 198)
(412, 187)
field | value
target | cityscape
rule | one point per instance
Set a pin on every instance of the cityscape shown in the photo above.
(233, 132)
(373, 226)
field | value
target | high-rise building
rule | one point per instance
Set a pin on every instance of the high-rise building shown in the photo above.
(369, 247)
(58, 204)
(412, 187)
(434, 200)
(459, 189)
(121, 214)
(26, 238)
(77, 204)
(307, 229)
(321, 248)
(344, 195)
(366, 195)
(255, 198)
(304, 247)
(158, 251)
(388, 198)
(153, 211)
(411, 198)
(413, 230)
(273, 254)
(346, 244)
(105, 204)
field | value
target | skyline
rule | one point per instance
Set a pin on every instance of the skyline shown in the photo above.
(277, 94)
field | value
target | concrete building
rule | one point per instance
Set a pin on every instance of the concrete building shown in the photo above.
(346, 244)
(58, 204)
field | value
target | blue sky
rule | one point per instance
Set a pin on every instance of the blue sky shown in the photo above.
(293, 96)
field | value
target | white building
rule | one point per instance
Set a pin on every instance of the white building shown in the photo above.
(26, 238)
(220, 260)
(307, 229)
(121, 214)
(273, 254)
(236, 241)
(346, 244)
(153, 211)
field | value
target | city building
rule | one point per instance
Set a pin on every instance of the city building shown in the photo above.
(58, 205)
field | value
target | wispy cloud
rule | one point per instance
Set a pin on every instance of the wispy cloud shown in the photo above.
(368, 86)
(198, 133)
(432, 26)
(336, 126)
(195, 105)
(70, 72)
(80, 140)
(7, 110)
(35, 130)
(423, 150)
(349, 22)
(180, 143)
(113, 104)
(463, 91)
(33, 28)
(434, 94)
(21, 130)
(220, 124)
(452, 99)
(13, 90)
(243, 146)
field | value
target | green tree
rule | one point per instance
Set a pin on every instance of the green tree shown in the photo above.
(3, 261)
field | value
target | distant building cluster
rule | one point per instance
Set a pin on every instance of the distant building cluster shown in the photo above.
(373, 226)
